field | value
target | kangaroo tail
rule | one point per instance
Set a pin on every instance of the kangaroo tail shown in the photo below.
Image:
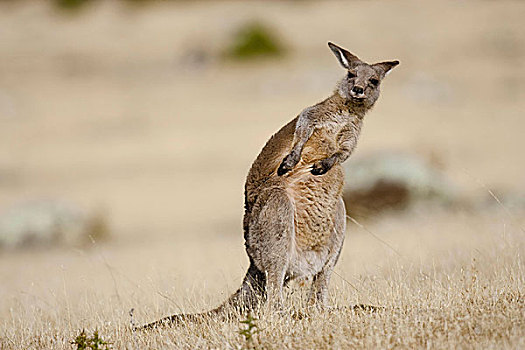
(246, 298)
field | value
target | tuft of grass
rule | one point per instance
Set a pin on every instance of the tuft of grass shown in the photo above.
(95, 342)
(254, 40)
(248, 329)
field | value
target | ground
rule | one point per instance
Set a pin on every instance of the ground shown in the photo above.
(131, 110)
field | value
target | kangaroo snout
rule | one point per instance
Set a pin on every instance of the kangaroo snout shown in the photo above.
(357, 91)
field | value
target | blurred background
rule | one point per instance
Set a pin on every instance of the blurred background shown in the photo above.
(129, 126)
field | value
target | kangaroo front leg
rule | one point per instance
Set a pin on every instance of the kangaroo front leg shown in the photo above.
(346, 140)
(304, 128)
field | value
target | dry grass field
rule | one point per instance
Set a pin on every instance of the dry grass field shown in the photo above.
(130, 110)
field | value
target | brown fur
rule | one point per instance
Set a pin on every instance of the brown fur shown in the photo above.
(294, 221)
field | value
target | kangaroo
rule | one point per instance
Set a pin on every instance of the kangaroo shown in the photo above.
(295, 219)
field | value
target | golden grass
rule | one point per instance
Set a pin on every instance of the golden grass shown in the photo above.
(459, 281)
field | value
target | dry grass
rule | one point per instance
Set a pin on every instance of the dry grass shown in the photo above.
(456, 283)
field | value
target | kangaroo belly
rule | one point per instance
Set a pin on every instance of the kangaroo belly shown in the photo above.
(315, 199)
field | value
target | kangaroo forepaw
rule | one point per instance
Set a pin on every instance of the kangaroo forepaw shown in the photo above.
(322, 166)
(288, 163)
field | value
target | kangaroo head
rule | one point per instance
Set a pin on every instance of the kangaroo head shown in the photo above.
(360, 87)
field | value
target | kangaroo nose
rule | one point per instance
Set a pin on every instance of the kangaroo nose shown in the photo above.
(358, 90)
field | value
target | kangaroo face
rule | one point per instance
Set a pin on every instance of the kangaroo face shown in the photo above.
(361, 84)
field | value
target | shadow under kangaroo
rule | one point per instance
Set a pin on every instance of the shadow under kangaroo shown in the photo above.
(295, 219)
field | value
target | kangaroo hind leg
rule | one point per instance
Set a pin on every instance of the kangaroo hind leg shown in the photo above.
(269, 239)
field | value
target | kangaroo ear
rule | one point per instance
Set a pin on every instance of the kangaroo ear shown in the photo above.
(345, 58)
(384, 67)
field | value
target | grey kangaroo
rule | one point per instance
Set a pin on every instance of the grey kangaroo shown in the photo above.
(295, 219)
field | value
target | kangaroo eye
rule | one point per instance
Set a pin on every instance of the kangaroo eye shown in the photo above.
(351, 75)
(374, 81)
